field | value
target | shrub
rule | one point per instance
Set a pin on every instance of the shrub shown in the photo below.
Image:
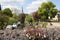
(34, 33)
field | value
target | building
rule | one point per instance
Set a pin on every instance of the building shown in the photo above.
(57, 17)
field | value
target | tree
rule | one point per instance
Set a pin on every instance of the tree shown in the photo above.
(7, 12)
(47, 10)
(35, 16)
(3, 20)
(29, 19)
(15, 16)
(16, 11)
(59, 11)
(12, 20)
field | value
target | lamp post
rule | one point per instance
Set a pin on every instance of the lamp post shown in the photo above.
(0, 6)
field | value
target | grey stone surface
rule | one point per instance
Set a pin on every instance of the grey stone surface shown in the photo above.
(12, 35)
(17, 34)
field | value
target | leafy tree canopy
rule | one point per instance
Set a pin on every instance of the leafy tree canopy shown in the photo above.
(7, 12)
(29, 19)
(47, 10)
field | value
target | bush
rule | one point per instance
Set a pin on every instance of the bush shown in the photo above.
(34, 33)
(12, 20)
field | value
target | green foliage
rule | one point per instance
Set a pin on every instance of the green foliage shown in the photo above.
(6, 18)
(44, 24)
(16, 17)
(47, 10)
(7, 12)
(12, 20)
(3, 20)
(53, 12)
(29, 19)
(43, 17)
(44, 12)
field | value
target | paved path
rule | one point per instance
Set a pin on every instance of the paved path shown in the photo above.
(54, 24)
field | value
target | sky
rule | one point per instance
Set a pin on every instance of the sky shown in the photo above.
(28, 5)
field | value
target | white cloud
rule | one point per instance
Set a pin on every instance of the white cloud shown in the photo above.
(20, 1)
(12, 4)
(9, 6)
(13, 8)
(34, 5)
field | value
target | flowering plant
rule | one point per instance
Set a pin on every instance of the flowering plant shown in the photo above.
(34, 33)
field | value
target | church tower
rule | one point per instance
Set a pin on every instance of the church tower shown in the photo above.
(22, 9)
(22, 16)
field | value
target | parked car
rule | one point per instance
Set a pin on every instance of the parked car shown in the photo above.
(9, 27)
(14, 26)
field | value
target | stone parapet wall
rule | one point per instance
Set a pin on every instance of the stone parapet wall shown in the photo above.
(18, 34)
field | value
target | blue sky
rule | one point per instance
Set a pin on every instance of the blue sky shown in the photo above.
(28, 5)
